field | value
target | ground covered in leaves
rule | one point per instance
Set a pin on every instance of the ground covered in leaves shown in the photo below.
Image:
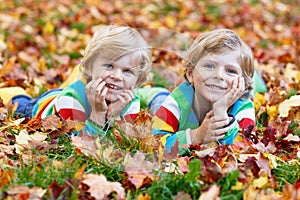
(42, 41)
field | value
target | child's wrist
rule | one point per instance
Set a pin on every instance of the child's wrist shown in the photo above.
(196, 137)
(98, 118)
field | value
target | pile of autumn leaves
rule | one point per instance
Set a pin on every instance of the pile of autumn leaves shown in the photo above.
(254, 155)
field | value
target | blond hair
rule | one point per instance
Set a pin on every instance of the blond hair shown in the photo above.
(217, 41)
(112, 42)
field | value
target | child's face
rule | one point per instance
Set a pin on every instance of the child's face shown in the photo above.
(120, 75)
(214, 74)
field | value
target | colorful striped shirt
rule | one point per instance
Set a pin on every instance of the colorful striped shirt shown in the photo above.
(176, 115)
(72, 103)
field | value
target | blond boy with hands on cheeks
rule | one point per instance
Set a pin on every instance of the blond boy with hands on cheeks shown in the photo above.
(115, 62)
(213, 104)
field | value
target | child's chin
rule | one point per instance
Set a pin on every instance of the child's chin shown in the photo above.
(111, 98)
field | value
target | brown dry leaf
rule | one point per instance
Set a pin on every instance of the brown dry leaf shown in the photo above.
(100, 188)
(51, 123)
(182, 163)
(182, 196)
(211, 171)
(7, 149)
(224, 156)
(138, 168)
(251, 193)
(113, 155)
(33, 141)
(6, 177)
(55, 190)
(24, 192)
(85, 144)
(8, 66)
(264, 163)
(212, 193)
(140, 128)
(290, 191)
(270, 148)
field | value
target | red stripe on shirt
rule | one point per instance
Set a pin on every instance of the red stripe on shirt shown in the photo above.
(72, 114)
(167, 116)
(245, 122)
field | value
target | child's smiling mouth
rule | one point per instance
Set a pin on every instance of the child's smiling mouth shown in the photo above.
(215, 87)
(112, 86)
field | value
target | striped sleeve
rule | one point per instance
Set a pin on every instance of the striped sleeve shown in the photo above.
(45, 105)
(244, 114)
(166, 123)
(130, 112)
(72, 103)
(167, 117)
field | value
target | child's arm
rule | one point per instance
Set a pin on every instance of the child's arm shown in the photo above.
(170, 116)
(221, 106)
(95, 92)
(115, 108)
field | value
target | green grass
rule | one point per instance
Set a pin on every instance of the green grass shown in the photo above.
(286, 173)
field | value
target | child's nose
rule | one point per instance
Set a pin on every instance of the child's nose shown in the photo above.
(116, 74)
(219, 74)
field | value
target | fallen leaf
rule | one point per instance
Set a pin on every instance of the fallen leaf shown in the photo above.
(85, 144)
(292, 138)
(100, 188)
(182, 163)
(286, 105)
(138, 168)
(6, 176)
(212, 193)
(19, 192)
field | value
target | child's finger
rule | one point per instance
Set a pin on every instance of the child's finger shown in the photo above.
(100, 88)
(219, 124)
(125, 97)
(129, 92)
(221, 131)
(219, 119)
(209, 114)
(93, 84)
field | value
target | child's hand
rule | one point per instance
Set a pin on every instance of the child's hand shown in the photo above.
(115, 108)
(96, 92)
(237, 89)
(210, 130)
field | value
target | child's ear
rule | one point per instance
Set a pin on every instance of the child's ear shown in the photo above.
(189, 74)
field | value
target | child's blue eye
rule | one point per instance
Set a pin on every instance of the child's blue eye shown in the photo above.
(108, 66)
(209, 66)
(128, 71)
(231, 71)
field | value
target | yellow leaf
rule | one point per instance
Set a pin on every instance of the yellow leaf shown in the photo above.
(291, 71)
(286, 105)
(237, 186)
(260, 182)
(272, 111)
(8, 92)
(79, 174)
(48, 28)
(52, 46)
(143, 197)
(170, 21)
(259, 100)
(42, 64)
